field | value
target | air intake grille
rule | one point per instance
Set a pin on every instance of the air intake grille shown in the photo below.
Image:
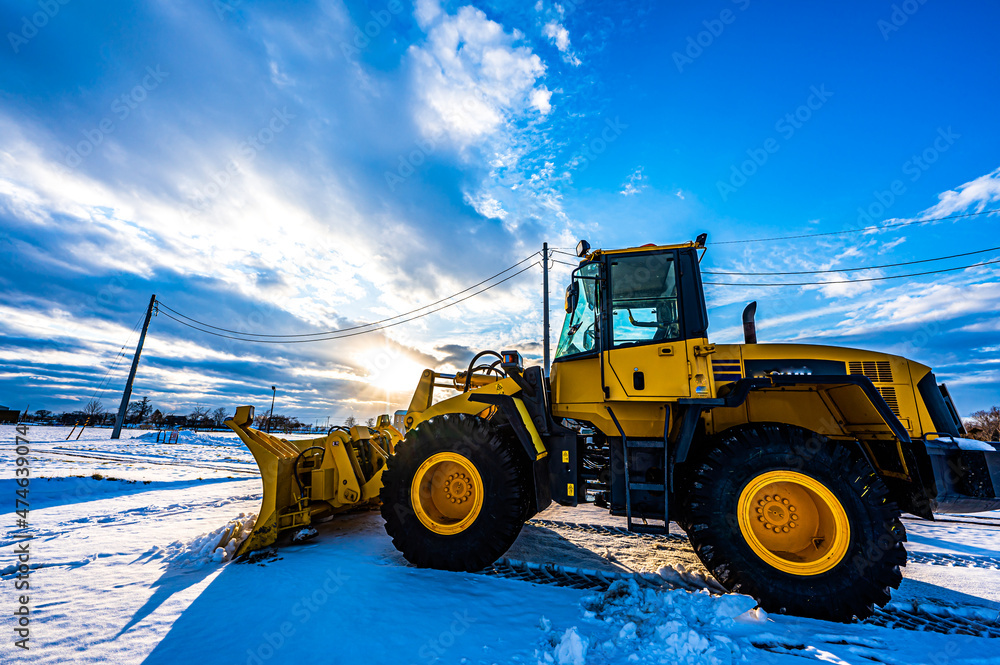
(889, 395)
(876, 370)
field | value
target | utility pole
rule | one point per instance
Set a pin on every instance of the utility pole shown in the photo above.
(116, 432)
(545, 306)
(268, 429)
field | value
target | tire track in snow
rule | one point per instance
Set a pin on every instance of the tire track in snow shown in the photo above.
(961, 560)
(895, 615)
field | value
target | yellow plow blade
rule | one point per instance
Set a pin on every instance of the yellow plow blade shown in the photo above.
(311, 478)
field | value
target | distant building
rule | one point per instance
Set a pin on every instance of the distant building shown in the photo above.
(9, 416)
(399, 420)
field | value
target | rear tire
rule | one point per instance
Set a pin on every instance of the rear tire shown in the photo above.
(433, 524)
(754, 482)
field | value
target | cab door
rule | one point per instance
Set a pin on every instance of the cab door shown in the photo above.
(647, 354)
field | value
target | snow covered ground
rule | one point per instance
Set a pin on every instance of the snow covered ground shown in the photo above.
(125, 569)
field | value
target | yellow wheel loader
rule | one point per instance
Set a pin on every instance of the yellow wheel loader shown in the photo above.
(788, 465)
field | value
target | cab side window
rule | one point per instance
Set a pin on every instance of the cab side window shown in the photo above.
(579, 333)
(644, 305)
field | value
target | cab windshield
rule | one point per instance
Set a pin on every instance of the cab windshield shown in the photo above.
(579, 332)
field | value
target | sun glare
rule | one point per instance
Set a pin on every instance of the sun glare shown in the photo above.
(397, 376)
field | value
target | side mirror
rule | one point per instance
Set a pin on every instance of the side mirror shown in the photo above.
(572, 297)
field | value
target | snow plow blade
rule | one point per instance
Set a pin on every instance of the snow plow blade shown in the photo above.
(308, 479)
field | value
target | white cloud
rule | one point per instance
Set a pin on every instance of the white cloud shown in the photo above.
(487, 206)
(847, 286)
(470, 77)
(426, 11)
(559, 36)
(885, 247)
(540, 99)
(941, 302)
(975, 193)
(634, 183)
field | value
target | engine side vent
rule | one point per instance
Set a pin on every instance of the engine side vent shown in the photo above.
(879, 371)
(889, 395)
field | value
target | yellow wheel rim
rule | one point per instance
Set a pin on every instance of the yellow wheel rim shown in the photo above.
(794, 523)
(447, 493)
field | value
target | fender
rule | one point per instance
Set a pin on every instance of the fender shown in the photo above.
(520, 421)
(741, 389)
(555, 466)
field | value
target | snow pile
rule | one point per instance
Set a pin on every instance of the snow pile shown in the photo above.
(303, 535)
(216, 546)
(631, 623)
(572, 649)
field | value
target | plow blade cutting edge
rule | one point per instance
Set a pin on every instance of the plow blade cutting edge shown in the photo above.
(307, 479)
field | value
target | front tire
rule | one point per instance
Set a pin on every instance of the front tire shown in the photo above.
(801, 523)
(454, 494)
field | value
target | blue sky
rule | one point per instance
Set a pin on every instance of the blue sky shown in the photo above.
(278, 167)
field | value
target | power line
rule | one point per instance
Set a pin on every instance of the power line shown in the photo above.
(362, 332)
(565, 263)
(850, 281)
(818, 272)
(358, 327)
(121, 354)
(861, 230)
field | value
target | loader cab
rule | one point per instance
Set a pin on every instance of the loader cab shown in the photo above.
(631, 317)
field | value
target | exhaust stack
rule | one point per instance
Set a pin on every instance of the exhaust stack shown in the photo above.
(749, 327)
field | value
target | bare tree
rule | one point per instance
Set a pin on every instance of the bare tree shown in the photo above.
(370, 422)
(219, 416)
(200, 413)
(94, 410)
(350, 421)
(988, 424)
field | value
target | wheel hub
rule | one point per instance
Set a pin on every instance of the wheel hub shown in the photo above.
(777, 513)
(793, 522)
(457, 488)
(447, 493)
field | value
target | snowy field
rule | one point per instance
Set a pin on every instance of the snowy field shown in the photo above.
(124, 569)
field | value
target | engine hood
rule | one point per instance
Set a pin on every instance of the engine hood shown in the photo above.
(760, 360)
